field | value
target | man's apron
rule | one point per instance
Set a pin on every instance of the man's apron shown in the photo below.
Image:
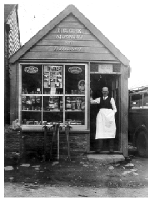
(105, 124)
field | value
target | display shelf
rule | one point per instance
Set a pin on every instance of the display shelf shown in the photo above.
(42, 95)
(32, 94)
(76, 95)
(52, 111)
(74, 110)
(31, 110)
(57, 95)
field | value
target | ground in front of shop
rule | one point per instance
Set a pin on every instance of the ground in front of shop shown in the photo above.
(77, 178)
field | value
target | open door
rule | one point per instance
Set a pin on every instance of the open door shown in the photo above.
(97, 82)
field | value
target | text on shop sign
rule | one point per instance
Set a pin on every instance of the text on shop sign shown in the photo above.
(65, 30)
(69, 36)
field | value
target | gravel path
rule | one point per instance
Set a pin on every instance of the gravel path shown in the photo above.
(18, 190)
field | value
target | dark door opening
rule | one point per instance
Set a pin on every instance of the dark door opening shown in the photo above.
(97, 82)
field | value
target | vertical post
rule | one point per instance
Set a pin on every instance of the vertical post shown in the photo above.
(20, 144)
(119, 113)
(53, 137)
(45, 134)
(24, 146)
(124, 110)
(88, 105)
(57, 143)
(68, 143)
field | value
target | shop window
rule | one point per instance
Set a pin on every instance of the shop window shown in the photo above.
(75, 94)
(53, 93)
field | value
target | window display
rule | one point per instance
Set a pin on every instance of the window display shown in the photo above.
(31, 110)
(53, 93)
(75, 94)
(75, 79)
(32, 79)
(75, 110)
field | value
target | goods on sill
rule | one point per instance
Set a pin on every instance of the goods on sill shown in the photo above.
(37, 108)
(23, 99)
(33, 98)
(61, 105)
(31, 122)
(82, 105)
(53, 104)
(29, 102)
(38, 99)
(74, 91)
(74, 122)
(78, 104)
(75, 103)
(68, 103)
(25, 91)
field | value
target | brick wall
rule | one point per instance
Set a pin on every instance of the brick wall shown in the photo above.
(21, 144)
(12, 144)
(34, 143)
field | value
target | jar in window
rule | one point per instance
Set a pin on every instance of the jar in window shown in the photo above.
(73, 105)
(68, 103)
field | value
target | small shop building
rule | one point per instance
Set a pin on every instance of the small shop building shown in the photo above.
(53, 76)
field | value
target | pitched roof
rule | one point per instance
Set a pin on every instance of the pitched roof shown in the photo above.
(70, 9)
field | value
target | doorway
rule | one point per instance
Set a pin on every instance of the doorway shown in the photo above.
(97, 82)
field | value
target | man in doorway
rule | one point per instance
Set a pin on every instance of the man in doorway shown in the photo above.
(105, 120)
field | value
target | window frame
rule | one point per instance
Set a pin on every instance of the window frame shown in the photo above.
(63, 95)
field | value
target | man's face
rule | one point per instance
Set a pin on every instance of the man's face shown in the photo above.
(105, 92)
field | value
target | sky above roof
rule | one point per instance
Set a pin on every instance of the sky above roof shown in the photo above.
(124, 22)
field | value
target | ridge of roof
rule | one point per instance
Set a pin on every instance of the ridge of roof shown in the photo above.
(63, 14)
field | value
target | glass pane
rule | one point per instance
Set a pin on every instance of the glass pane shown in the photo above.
(74, 79)
(75, 110)
(52, 109)
(31, 79)
(31, 84)
(52, 79)
(136, 101)
(75, 85)
(31, 110)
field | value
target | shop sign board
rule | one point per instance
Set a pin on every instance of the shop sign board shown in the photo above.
(105, 68)
(70, 34)
(69, 30)
(62, 48)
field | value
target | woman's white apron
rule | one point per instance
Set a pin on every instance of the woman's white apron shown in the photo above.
(105, 124)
